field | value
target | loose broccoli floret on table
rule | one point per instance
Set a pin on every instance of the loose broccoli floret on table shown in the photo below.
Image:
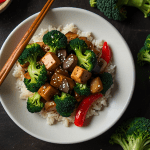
(65, 104)
(147, 42)
(107, 81)
(55, 40)
(133, 134)
(86, 58)
(34, 104)
(36, 71)
(114, 9)
(143, 55)
(82, 89)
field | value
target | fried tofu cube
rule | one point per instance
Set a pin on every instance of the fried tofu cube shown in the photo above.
(58, 79)
(78, 97)
(49, 106)
(70, 36)
(49, 74)
(71, 83)
(62, 71)
(96, 85)
(24, 65)
(80, 75)
(47, 91)
(27, 76)
(51, 61)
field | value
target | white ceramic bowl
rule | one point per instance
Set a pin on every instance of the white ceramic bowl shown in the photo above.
(124, 84)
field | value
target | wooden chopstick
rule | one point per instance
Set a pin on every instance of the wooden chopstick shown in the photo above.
(24, 41)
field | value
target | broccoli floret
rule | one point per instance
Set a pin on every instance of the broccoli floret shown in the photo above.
(111, 10)
(36, 71)
(82, 89)
(86, 58)
(133, 134)
(143, 56)
(107, 81)
(93, 3)
(34, 104)
(114, 9)
(147, 42)
(55, 40)
(65, 104)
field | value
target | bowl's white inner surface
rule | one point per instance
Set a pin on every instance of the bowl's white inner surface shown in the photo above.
(124, 84)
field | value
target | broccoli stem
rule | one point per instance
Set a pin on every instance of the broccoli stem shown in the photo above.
(135, 3)
(122, 143)
(145, 9)
(93, 3)
(36, 99)
(52, 49)
(33, 71)
(81, 57)
(136, 144)
(143, 5)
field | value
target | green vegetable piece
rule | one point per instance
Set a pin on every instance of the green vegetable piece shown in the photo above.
(82, 89)
(36, 71)
(86, 58)
(55, 40)
(107, 81)
(143, 56)
(147, 42)
(115, 9)
(65, 104)
(34, 104)
(93, 3)
(134, 134)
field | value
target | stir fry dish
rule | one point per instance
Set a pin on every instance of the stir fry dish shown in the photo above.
(66, 74)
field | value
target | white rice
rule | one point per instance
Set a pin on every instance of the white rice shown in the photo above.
(53, 116)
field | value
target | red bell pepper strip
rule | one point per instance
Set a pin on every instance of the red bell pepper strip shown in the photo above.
(1, 1)
(83, 108)
(106, 52)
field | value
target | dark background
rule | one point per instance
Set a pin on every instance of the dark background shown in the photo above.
(134, 30)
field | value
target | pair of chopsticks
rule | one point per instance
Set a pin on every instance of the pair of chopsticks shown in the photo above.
(24, 41)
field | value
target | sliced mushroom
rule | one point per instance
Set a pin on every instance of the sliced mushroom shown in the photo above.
(64, 87)
(97, 51)
(96, 69)
(103, 64)
(100, 66)
(70, 62)
(62, 54)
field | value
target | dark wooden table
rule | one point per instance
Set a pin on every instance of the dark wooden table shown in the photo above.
(134, 30)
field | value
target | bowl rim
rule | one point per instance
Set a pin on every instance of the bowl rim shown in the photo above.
(5, 5)
(129, 98)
